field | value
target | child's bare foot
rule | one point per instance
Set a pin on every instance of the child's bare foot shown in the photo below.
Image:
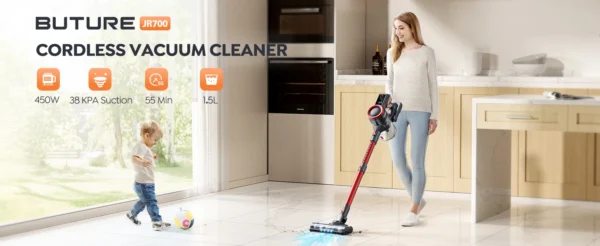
(133, 219)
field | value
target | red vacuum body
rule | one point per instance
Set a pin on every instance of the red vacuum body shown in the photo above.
(381, 115)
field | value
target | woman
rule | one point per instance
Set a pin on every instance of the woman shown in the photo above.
(412, 81)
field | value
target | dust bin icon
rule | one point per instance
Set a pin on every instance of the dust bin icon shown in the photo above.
(211, 79)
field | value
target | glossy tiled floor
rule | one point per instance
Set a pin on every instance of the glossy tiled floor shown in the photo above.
(280, 213)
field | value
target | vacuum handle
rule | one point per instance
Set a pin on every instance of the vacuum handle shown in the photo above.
(396, 108)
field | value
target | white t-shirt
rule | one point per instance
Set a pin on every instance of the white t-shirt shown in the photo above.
(143, 174)
(412, 80)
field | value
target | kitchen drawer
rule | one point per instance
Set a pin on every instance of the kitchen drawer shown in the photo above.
(522, 117)
(584, 119)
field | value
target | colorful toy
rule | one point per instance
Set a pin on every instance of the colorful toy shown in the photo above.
(184, 219)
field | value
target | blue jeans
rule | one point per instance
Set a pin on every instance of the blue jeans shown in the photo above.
(147, 198)
(414, 181)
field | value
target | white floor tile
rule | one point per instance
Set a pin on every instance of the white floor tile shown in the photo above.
(283, 218)
(536, 236)
(225, 233)
(275, 213)
(69, 238)
(303, 239)
(595, 243)
(174, 241)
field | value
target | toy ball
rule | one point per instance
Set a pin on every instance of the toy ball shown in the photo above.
(184, 219)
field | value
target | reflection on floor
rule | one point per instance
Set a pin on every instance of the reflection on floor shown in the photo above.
(280, 213)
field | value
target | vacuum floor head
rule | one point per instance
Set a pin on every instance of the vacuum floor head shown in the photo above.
(331, 228)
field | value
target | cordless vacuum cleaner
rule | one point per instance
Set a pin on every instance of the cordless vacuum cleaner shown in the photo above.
(382, 120)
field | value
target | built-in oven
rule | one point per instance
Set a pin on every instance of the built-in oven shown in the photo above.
(301, 85)
(301, 21)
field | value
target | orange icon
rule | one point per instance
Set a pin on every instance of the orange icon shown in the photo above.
(157, 79)
(155, 23)
(211, 79)
(100, 79)
(48, 79)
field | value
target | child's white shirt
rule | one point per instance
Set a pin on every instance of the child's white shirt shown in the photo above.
(143, 174)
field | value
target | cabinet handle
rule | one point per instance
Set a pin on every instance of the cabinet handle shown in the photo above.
(299, 10)
(521, 117)
(298, 61)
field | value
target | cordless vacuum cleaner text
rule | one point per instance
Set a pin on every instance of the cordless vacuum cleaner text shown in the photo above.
(382, 120)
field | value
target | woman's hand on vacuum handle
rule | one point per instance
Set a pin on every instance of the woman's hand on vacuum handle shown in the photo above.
(389, 104)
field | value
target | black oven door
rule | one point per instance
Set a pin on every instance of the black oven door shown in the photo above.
(301, 21)
(301, 85)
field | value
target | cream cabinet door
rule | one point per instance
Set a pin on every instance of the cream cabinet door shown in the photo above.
(593, 170)
(463, 105)
(353, 134)
(552, 164)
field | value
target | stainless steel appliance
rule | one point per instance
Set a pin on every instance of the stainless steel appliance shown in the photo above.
(301, 21)
(301, 85)
(300, 121)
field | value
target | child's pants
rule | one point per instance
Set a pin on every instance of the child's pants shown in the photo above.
(414, 181)
(147, 196)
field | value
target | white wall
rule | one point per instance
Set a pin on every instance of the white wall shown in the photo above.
(377, 20)
(350, 34)
(244, 94)
(355, 43)
(567, 30)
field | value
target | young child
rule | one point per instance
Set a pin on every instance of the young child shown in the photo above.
(143, 166)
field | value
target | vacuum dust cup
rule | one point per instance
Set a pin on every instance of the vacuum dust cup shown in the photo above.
(389, 134)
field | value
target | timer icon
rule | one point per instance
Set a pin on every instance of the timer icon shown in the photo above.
(157, 79)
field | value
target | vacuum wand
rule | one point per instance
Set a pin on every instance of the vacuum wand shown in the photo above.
(382, 121)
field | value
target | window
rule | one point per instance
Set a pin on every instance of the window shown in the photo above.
(70, 149)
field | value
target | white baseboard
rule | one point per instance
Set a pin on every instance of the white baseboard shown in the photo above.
(83, 214)
(248, 181)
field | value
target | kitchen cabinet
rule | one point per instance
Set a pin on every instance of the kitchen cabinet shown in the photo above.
(353, 132)
(495, 118)
(552, 164)
(544, 164)
(593, 168)
(462, 131)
